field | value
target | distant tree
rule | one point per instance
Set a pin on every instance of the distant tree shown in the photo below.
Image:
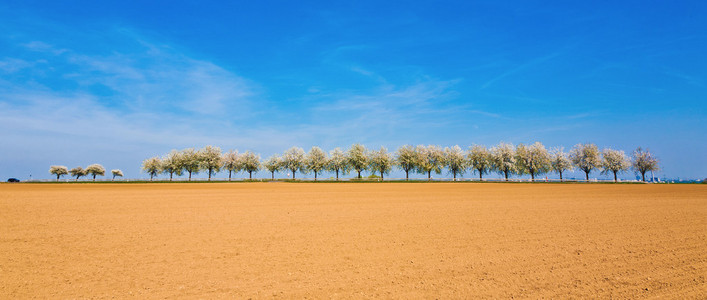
(116, 172)
(380, 160)
(455, 160)
(614, 161)
(429, 159)
(480, 160)
(273, 164)
(585, 157)
(152, 166)
(231, 162)
(172, 164)
(96, 169)
(210, 159)
(190, 161)
(338, 162)
(357, 158)
(78, 172)
(504, 159)
(560, 162)
(316, 160)
(644, 161)
(250, 162)
(58, 171)
(293, 160)
(533, 159)
(406, 159)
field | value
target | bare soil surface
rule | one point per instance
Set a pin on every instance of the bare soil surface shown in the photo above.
(352, 240)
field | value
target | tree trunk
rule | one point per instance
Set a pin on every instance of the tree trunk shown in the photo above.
(429, 175)
(57, 177)
(406, 175)
(151, 177)
(273, 175)
(293, 174)
(110, 180)
(229, 174)
(614, 176)
(532, 176)
(94, 177)
(643, 176)
(587, 173)
(359, 174)
(189, 175)
(250, 174)
(337, 174)
(209, 174)
(455, 175)
(481, 175)
(382, 175)
(560, 176)
(315, 175)
(170, 176)
(506, 174)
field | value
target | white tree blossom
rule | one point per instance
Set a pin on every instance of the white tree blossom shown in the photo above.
(172, 164)
(316, 160)
(480, 160)
(273, 164)
(338, 162)
(533, 159)
(455, 160)
(406, 159)
(357, 158)
(585, 157)
(189, 159)
(380, 160)
(293, 160)
(644, 161)
(210, 159)
(504, 159)
(78, 172)
(614, 161)
(231, 162)
(250, 162)
(429, 159)
(560, 162)
(152, 166)
(58, 171)
(96, 169)
(116, 172)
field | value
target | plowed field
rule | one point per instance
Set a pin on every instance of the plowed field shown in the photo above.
(349, 240)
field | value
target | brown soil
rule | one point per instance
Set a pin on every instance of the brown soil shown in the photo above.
(390, 240)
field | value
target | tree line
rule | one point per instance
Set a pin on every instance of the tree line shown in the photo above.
(78, 172)
(504, 158)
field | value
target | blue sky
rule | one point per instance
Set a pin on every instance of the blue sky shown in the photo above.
(117, 82)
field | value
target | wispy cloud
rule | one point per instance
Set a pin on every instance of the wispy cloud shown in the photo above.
(149, 98)
(63, 105)
(394, 114)
(12, 65)
(519, 68)
(155, 77)
(40, 46)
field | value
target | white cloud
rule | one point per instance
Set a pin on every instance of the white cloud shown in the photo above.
(120, 107)
(149, 99)
(161, 79)
(40, 46)
(12, 65)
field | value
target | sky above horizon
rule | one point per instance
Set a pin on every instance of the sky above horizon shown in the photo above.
(116, 82)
